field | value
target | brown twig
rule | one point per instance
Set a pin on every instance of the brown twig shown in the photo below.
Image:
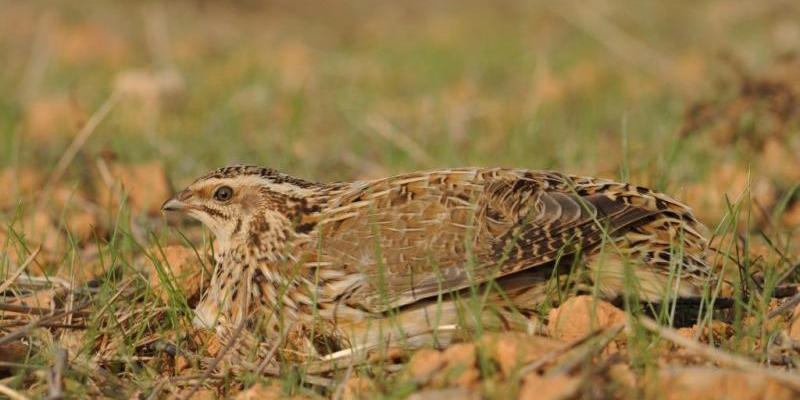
(56, 325)
(38, 282)
(40, 55)
(385, 130)
(55, 380)
(262, 366)
(106, 382)
(228, 346)
(13, 365)
(25, 330)
(625, 46)
(74, 147)
(589, 348)
(32, 310)
(215, 362)
(785, 306)
(11, 393)
(114, 297)
(553, 355)
(341, 387)
(718, 356)
(11, 279)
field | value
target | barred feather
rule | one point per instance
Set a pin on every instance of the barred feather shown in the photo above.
(349, 253)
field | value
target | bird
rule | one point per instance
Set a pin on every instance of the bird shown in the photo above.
(421, 258)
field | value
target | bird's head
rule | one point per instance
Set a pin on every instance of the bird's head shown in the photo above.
(245, 204)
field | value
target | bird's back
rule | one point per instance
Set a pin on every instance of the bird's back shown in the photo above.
(395, 241)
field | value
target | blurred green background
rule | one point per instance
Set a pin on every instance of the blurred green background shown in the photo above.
(694, 98)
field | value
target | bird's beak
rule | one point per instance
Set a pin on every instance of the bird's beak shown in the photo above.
(177, 203)
(173, 204)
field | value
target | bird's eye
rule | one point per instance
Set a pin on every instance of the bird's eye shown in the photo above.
(223, 193)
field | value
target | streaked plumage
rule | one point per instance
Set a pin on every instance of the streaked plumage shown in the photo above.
(361, 263)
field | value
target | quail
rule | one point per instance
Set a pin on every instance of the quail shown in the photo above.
(416, 258)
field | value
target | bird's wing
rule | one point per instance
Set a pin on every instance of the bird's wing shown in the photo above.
(417, 236)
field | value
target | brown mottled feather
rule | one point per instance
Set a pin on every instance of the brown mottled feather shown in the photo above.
(426, 228)
(353, 251)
